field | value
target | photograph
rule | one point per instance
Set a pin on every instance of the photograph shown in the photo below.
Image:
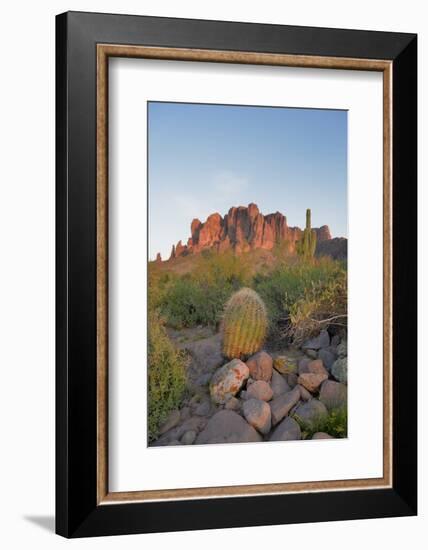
(247, 274)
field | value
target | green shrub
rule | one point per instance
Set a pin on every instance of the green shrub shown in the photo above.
(244, 324)
(288, 284)
(197, 298)
(335, 424)
(323, 304)
(166, 375)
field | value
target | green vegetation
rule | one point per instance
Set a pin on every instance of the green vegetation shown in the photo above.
(166, 375)
(335, 424)
(308, 243)
(199, 297)
(301, 297)
(244, 324)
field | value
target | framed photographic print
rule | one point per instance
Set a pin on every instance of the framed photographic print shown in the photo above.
(236, 274)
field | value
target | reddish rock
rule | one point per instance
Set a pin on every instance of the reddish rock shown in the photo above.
(242, 229)
(260, 366)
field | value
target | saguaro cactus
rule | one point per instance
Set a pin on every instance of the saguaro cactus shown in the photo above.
(244, 324)
(308, 243)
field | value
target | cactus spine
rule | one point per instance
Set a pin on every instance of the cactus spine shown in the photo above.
(244, 324)
(308, 243)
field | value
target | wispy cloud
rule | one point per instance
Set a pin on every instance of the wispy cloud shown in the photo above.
(229, 183)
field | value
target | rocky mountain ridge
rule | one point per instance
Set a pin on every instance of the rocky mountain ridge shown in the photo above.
(242, 229)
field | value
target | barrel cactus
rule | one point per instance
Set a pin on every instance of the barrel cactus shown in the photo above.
(308, 243)
(244, 324)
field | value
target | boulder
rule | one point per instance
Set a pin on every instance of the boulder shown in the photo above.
(292, 379)
(260, 390)
(172, 421)
(195, 423)
(322, 435)
(260, 366)
(206, 356)
(327, 357)
(303, 365)
(279, 384)
(287, 430)
(304, 394)
(227, 380)
(321, 341)
(340, 369)
(233, 404)
(257, 414)
(310, 412)
(282, 405)
(204, 408)
(311, 381)
(314, 367)
(227, 427)
(188, 437)
(334, 395)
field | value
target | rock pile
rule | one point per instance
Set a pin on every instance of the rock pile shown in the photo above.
(267, 398)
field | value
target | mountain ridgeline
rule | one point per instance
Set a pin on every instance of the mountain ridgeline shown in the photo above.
(245, 228)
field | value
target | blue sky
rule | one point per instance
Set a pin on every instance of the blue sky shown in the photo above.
(207, 158)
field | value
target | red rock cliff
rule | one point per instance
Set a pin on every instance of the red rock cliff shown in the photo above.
(242, 229)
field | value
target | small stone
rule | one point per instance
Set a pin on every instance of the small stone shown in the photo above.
(188, 437)
(227, 427)
(321, 341)
(340, 369)
(292, 380)
(287, 430)
(304, 394)
(322, 435)
(310, 412)
(315, 367)
(282, 405)
(227, 381)
(233, 404)
(284, 365)
(257, 414)
(260, 366)
(303, 365)
(260, 390)
(279, 384)
(333, 394)
(243, 395)
(172, 421)
(311, 353)
(312, 381)
(327, 357)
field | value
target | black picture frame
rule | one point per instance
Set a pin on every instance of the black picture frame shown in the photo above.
(77, 511)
